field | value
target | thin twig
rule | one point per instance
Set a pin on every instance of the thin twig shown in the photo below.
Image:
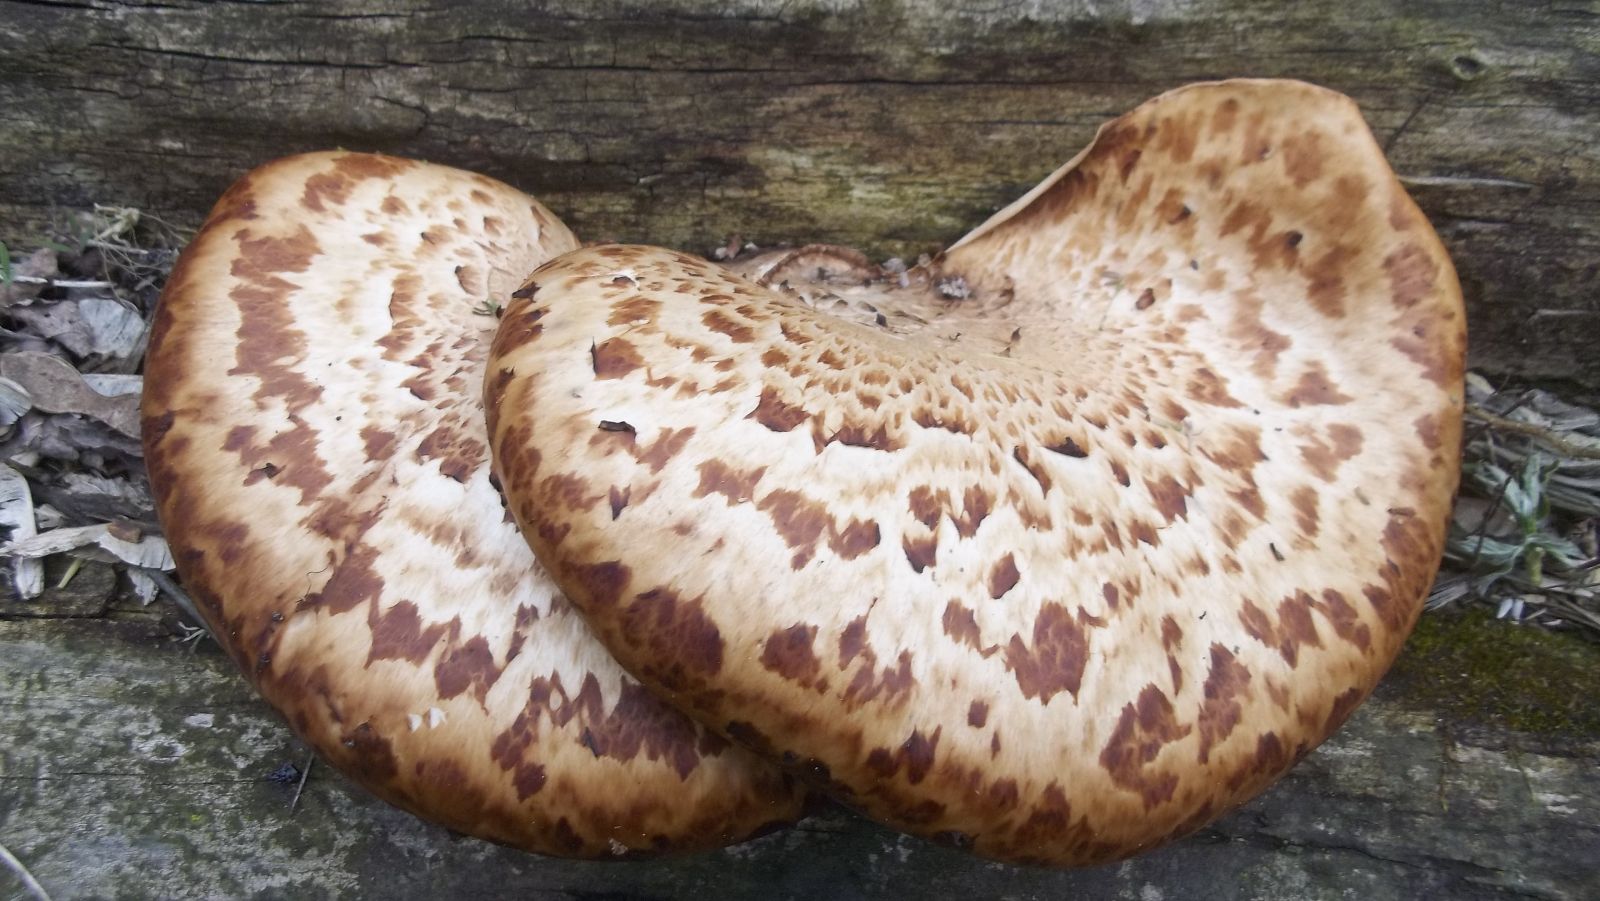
(1543, 435)
(304, 775)
(58, 282)
(113, 245)
(1483, 427)
(28, 882)
(1481, 534)
(179, 597)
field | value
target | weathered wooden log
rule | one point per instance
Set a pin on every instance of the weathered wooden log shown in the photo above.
(889, 125)
(134, 767)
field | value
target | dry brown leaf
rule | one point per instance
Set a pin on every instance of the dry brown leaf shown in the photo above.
(56, 387)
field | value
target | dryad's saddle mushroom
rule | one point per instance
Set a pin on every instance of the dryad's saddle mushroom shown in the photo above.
(1115, 512)
(315, 439)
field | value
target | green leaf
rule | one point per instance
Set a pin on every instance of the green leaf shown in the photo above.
(1566, 554)
(1523, 493)
(1488, 551)
(1488, 476)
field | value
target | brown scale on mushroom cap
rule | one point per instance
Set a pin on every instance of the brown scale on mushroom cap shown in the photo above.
(1126, 505)
(313, 424)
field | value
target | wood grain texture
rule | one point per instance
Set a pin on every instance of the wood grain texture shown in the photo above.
(892, 125)
(133, 768)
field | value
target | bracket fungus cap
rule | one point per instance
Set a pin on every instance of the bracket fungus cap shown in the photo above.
(313, 426)
(1121, 507)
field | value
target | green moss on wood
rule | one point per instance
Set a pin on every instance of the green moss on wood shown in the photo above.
(1475, 669)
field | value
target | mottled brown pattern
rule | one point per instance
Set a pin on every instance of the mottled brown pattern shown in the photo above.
(1003, 577)
(316, 446)
(640, 724)
(1315, 388)
(855, 539)
(1133, 492)
(370, 756)
(862, 435)
(927, 505)
(637, 309)
(615, 358)
(379, 443)
(351, 583)
(1048, 824)
(1344, 619)
(1307, 519)
(1227, 682)
(885, 684)
(788, 653)
(469, 667)
(601, 583)
(719, 321)
(921, 553)
(1067, 448)
(1412, 272)
(961, 625)
(977, 716)
(954, 421)
(915, 755)
(399, 634)
(1168, 495)
(1430, 429)
(803, 522)
(1120, 473)
(777, 415)
(1036, 470)
(1435, 347)
(738, 486)
(798, 520)
(666, 446)
(1292, 629)
(456, 454)
(1054, 660)
(1325, 454)
(1343, 705)
(684, 646)
(1143, 729)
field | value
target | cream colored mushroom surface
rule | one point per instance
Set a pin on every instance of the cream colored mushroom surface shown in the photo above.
(315, 436)
(1123, 506)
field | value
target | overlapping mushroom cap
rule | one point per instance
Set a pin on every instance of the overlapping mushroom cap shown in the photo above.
(314, 431)
(1091, 531)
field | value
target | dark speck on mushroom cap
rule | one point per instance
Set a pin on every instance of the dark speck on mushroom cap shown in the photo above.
(1068, 562)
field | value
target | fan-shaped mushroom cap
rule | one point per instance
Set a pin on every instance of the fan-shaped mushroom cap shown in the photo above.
(313, 424)
(1129, 511)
